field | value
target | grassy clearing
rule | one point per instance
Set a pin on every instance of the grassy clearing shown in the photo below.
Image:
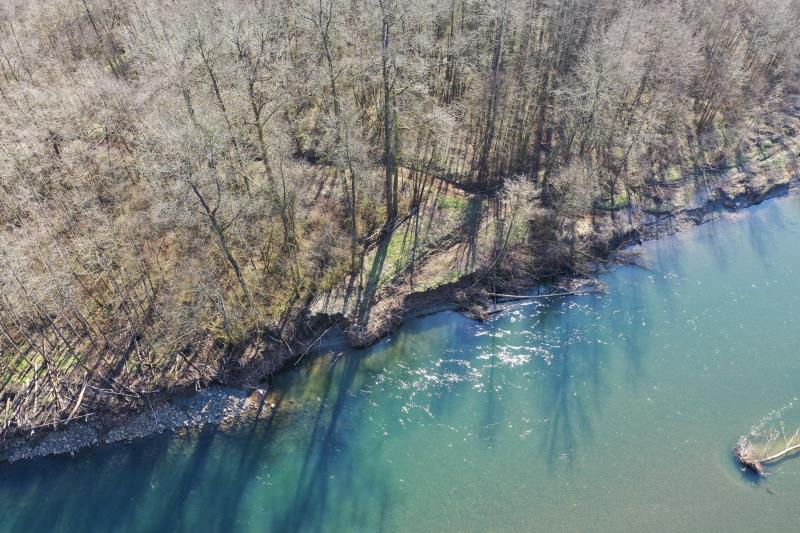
(454, 203)
(448, 211)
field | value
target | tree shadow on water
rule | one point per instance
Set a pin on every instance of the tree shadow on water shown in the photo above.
(247, 451)
(88, 492)
(572, 387)
(630, 327)
(336, 487)
(763, 225)
(493, 412)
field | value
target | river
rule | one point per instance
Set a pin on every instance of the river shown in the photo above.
(610, 412)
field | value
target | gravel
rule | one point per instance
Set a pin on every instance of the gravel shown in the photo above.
(218, 406)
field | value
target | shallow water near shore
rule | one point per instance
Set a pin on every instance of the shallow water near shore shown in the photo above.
(609, 412)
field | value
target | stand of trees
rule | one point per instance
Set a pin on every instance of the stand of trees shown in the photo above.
(177, 175)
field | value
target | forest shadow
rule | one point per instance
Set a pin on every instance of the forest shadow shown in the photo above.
(569, 389)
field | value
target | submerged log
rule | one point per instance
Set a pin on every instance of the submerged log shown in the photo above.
(750, 458)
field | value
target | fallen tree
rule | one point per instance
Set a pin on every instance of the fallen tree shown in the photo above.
(778, 446)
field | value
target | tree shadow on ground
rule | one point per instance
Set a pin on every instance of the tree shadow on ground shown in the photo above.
(471, 231)
(373, 278)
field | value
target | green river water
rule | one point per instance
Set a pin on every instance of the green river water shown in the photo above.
(611, 412)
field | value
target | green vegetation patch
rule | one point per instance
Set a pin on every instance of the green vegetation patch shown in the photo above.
(673, 173)
(619, 201)
(776, 161)
(453, 203)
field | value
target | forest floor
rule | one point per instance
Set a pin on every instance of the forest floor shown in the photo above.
(433, 261)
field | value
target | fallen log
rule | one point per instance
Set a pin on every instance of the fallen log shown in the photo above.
(782, 454)
(754, 459)
(537, 296)
(79, 401)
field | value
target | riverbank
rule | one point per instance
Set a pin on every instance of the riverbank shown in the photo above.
(227, 406)
(671, 207)
(548, 407)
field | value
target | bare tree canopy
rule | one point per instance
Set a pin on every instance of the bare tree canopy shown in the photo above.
(180, 177)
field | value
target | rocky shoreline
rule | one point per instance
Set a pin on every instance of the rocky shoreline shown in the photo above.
(217, 406)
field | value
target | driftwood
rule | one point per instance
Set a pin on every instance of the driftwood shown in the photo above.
(754, 459)
(568, 287)
(537, 296)
(56, 422)
(79, 401)
(782, 454)
(308, 348)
